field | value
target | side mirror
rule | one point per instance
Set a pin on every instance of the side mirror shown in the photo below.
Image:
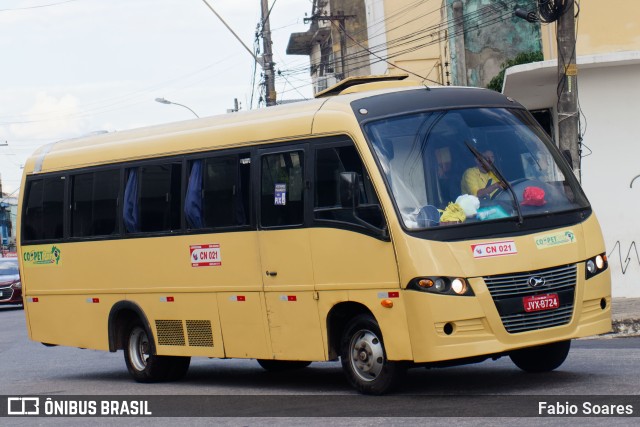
(349, 185)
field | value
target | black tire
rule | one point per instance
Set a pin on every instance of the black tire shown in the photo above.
(282, 365)
(146, 367)
(543, 358)
(364, 359)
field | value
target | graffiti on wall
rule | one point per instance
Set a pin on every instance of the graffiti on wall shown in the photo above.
(627, 258)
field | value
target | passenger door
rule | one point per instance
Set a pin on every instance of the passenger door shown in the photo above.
(351, 251)
(285, 254)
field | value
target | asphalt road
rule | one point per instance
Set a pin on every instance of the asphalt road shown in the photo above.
(240, 388)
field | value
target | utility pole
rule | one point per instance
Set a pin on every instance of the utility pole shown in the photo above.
(460, 76)
(343, 46)
(267, 57)
(568, 114)
(266, 62)
(341, 18)
(236, 106)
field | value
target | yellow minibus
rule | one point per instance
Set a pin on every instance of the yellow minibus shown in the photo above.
(386, 224)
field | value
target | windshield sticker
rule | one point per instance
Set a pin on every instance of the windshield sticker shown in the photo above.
(206, 255)
(486, 250)
(42, 255)
(555, 239)
(280, 195)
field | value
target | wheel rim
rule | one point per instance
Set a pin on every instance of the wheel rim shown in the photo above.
(139, 348)
(366, 355)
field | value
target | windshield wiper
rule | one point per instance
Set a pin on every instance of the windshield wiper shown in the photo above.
(492, 167)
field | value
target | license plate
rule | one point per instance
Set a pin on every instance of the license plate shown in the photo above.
(541, 302)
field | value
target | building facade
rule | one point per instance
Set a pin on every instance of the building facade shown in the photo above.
(439, 42)
(465, 42)
(608, 64)
(348, 38)
(483, 34)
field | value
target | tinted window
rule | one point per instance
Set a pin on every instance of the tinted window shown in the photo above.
(43, 214)
(94, 203)
(160, 197)
(152, 198)
(282, 193)
(218, 192)
(330, 163)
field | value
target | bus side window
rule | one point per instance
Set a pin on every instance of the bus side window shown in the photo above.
(218, 192)
(282, 192)
(160, 197)
(152, 198)
(32, 223)
(329, 163)
(94, 203)
(44, 211)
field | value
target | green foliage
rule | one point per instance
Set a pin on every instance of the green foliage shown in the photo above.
(521, 58)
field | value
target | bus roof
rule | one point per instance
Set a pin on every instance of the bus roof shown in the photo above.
(266, 125)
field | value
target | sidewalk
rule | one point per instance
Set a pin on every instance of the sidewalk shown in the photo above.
(625, 316)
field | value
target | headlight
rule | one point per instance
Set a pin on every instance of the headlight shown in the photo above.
(441, 285)
(459, 286)
(595, 265)
(16, 285)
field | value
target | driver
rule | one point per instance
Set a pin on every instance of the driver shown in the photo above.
(478, 181)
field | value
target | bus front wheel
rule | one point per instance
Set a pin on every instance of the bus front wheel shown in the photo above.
(543, 358)
(146, 367)
(364, 359)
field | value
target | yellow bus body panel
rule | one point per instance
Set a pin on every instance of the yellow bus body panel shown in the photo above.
(273, 291)
(477, 326)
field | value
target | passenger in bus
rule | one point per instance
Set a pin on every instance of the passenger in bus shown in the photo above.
(478, 180)
(448, 179)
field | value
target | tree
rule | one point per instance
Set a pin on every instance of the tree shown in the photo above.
(521, 58)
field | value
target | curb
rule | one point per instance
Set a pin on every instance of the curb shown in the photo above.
(626, 327)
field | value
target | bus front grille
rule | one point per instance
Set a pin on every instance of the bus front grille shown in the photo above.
(530, 321)
(509, 290)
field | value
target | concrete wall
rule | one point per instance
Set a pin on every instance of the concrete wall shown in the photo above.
(608, 97)
(377, 35)
(421, 54)
(357, 63)
(488, 45)
(603, 26)
(608, 90)
(384, 37)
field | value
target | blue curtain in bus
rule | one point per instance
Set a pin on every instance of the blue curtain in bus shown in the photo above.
(193, 198)
(130, 212)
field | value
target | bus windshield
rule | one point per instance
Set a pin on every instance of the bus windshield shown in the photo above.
(471, 165)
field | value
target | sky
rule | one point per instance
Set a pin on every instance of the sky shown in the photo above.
(72, 67)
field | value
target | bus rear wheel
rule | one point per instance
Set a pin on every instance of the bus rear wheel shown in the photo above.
(146, 367)
(364, 359)
(543, 358)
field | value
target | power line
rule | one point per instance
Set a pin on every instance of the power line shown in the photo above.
(231, 30)
(109, 102)
(483, 17)
(37, 7)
